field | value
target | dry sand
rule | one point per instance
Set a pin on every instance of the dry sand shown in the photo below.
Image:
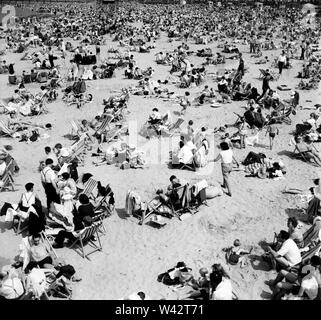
(134, 255)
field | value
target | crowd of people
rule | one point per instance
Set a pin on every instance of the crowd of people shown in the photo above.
(65, 53)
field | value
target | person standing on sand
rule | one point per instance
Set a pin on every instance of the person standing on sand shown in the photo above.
(272, 130)
(227, 158)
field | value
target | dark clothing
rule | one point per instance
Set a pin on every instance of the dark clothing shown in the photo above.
(36, 222)
(253, 157)
(215, 280)
(86, 210)
(241, 67)
(280, 66)
(40, 264)
(249, 117)
(51, 194)
(265, 84)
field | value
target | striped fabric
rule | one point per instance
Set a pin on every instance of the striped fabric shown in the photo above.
(90, 186)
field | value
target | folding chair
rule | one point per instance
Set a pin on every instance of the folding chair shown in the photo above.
(5, 130)
(173, 128)
(313, 251)
(110, 135)
(301, 155)
(90, 186)
(104, 125)
(54, 286)
(101, 218)
(84, 236)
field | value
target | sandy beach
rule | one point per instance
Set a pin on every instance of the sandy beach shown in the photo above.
(134, 255)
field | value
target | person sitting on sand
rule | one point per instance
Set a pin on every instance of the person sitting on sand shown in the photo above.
(221, 286)
(236, 254)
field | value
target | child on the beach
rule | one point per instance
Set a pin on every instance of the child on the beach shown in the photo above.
(236, 254)
(273, 130)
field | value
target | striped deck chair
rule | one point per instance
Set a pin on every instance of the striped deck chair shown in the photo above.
(103, 204)
(84, 237)
(90, 187)
(104, 125)
(176, 126)
(7, 177)
(313, 251)
(78, 150)
(4, 130)
(111, 134)
(78, 132)
(101, 218)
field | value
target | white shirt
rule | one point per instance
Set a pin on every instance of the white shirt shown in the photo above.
(227, 156)
(28, 199)
(282, 58)
(224, 290)
(48, 175)
(185, 154)
(290, 252)
(3, 167)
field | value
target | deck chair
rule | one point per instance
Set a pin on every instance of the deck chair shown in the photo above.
(77, 132)
(191, 165)
(313, 251)
(84, 237)
(176, 126)
(104, 125)
(54, 286)
(78, 150)
(4, 130)
(7, 178)
(148, 210)
(111, 134)
(182, 192)
(90, 186)
(302, 155)
(101, 218)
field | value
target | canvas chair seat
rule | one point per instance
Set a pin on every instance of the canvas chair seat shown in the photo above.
(85, 237)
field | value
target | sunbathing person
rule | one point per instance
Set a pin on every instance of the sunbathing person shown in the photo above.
(303, 148)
